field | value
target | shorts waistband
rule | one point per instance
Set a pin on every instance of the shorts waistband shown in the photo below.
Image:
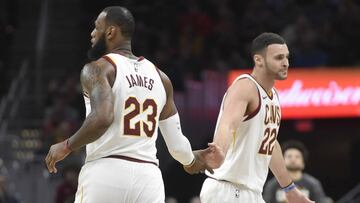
(239, 186)
(130, 159)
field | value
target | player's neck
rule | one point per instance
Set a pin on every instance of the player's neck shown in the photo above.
(263, 80)
(124, 48)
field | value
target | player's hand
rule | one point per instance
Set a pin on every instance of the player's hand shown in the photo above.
(206, 159)
(295, 196)
(216, 158)
(56, 153)
(199, 164)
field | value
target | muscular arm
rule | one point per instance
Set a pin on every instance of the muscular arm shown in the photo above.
(277, 167)
(235, 105)
(95, 80)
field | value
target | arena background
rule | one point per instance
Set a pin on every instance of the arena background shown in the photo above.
(197, 43)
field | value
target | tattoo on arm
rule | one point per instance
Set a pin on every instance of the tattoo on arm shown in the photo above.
(95, 83)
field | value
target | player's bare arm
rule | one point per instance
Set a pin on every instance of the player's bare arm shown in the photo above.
(277, 166)
(240, 100)
(96, 80)
(170, 107)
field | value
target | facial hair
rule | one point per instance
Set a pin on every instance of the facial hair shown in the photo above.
(277, 75)
(98, 50)
(294, 168)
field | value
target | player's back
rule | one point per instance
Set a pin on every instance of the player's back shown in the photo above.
(139, 97)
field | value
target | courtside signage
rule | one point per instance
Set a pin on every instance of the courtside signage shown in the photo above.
(317, 93)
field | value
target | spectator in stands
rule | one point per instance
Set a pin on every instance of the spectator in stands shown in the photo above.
(295, 156)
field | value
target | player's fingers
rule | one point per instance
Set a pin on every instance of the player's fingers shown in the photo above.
(47, 157)
(213, 146)
(52, 165)
(47, 161)
(210, 170)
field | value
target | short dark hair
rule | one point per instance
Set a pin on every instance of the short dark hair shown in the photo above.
(263, 40)
(121, 17)
(294, 144)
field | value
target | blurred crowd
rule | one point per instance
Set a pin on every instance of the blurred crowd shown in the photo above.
(189, 36)
(184, 38)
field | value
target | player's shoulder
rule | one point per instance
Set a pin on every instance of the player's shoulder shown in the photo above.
(99, 66)
(243, 86)
(244, 82)
(163, 76)
(165, 80)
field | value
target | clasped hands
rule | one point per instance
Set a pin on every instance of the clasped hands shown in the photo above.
(206, 159)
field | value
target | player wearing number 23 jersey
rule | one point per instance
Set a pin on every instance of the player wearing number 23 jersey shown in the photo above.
(127, 99)
(139, 98)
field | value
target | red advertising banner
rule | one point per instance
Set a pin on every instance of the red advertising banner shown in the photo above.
(317, 93)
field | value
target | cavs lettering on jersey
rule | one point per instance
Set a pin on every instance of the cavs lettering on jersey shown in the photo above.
(139, 98)
(248, 157)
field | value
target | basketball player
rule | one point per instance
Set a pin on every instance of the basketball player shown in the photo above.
(126, 99)
(247, 129)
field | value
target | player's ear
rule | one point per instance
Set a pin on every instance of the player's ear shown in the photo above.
(258, 59)
(111, 32)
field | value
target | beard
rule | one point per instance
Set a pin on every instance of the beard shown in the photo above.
(280, 75)
(98, 50)
(294, 168)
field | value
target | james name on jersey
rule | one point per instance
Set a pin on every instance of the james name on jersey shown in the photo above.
(140, 81)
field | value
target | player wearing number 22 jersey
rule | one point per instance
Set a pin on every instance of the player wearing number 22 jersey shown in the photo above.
(253, 141)
(247, 130)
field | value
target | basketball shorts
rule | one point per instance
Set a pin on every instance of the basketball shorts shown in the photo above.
(113, 180)
(214, 191)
